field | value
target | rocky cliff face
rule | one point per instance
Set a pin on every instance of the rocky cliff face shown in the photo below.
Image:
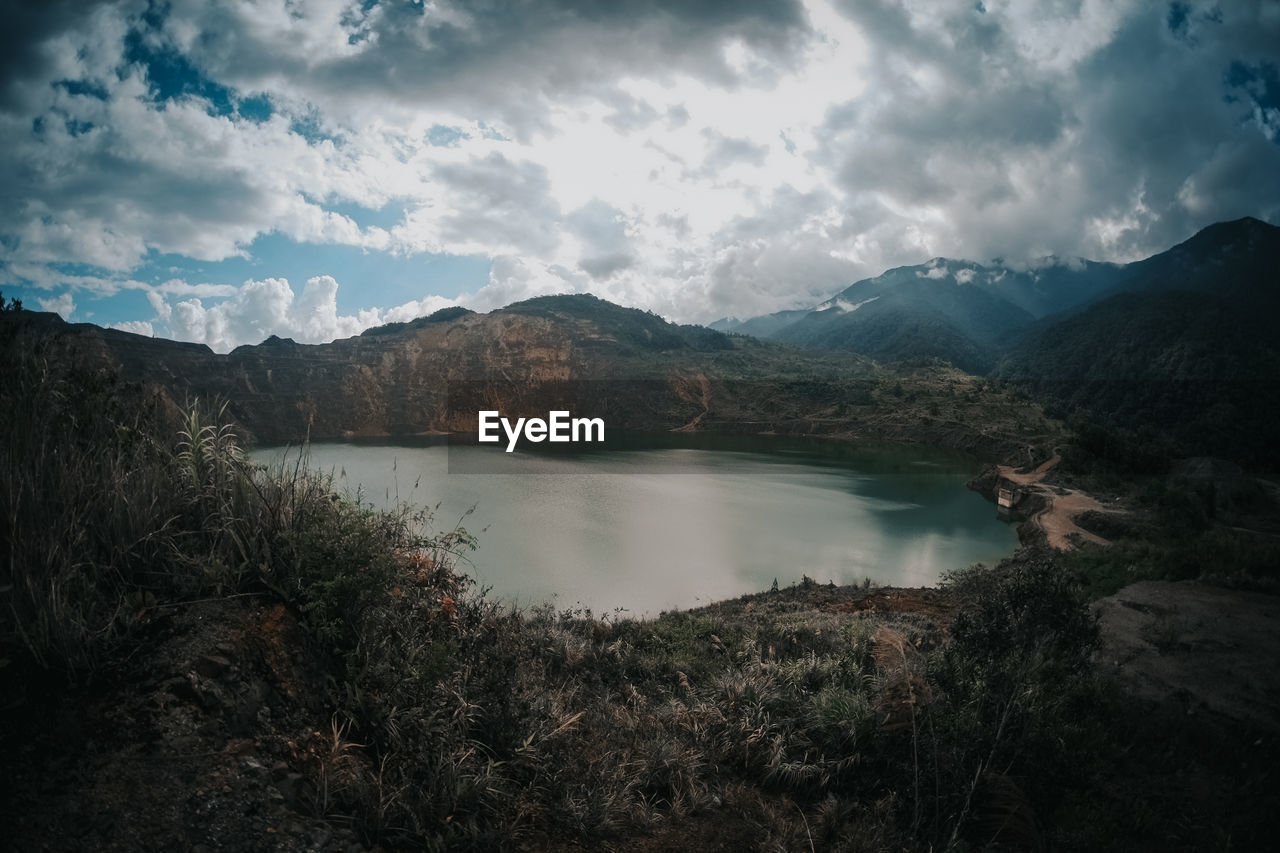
(396, 383)
(431, 375)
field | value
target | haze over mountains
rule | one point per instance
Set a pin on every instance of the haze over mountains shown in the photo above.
(959, 311)
(971, 314)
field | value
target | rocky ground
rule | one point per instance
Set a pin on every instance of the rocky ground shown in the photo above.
(1052, 509)
(1210, 651)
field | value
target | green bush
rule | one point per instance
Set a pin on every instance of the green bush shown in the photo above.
(1014, 688)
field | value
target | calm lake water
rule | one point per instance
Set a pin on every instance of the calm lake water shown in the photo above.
(657, 522)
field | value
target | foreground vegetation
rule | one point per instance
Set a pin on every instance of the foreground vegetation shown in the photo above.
(455, 722)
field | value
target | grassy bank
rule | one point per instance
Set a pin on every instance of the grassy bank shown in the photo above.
(799, 719)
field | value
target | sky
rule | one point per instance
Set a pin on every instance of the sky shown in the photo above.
(223, 171)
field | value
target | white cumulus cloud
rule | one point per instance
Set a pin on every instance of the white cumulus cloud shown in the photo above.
(260, 309)
(63, 305)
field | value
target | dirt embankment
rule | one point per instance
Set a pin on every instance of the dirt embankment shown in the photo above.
(1051, 510)
(702, 397)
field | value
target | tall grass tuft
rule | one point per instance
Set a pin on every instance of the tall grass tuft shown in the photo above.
(87, 512)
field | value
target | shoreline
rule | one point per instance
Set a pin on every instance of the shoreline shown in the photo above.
(1050, 509)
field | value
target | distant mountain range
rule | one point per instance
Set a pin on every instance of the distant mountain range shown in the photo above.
(972, 314)
(1186, 342)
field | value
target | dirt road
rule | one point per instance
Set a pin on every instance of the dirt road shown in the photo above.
(1061, 508)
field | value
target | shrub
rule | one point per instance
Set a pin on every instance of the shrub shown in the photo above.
(1013, 682)
(86, 510)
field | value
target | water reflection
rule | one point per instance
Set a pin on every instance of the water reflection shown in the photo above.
(742, 513)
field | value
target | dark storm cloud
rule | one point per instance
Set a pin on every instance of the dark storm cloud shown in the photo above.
(1061, 131)
(25, 29)
(1162, 127)
(505, 59)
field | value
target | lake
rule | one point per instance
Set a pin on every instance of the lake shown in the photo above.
(656, 522)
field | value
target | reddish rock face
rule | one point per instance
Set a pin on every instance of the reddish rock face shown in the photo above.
(422, 377)
(381, 384)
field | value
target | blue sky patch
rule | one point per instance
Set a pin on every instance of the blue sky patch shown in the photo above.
(365, 279)
(443, 136)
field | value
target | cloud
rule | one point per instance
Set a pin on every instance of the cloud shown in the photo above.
(512, 278)
(62, 304)
(179, 287)
(935, 271)
(486, 205)
(159, 305)
(725, 150)
(104, 182)
(259, 309)
(510, 61)
(38, 43)
(1004, 132)
(99, 169)
(602, 232)
(697, 159)
(137, 327)
(417, 308)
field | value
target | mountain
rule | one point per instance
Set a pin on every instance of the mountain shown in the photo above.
(1182, 344)
(575, 352)
(760, 327)
(1188, 348)
(937, 309)
(409, 378)
(969, 313)
(959, 311)
(1237, 261)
